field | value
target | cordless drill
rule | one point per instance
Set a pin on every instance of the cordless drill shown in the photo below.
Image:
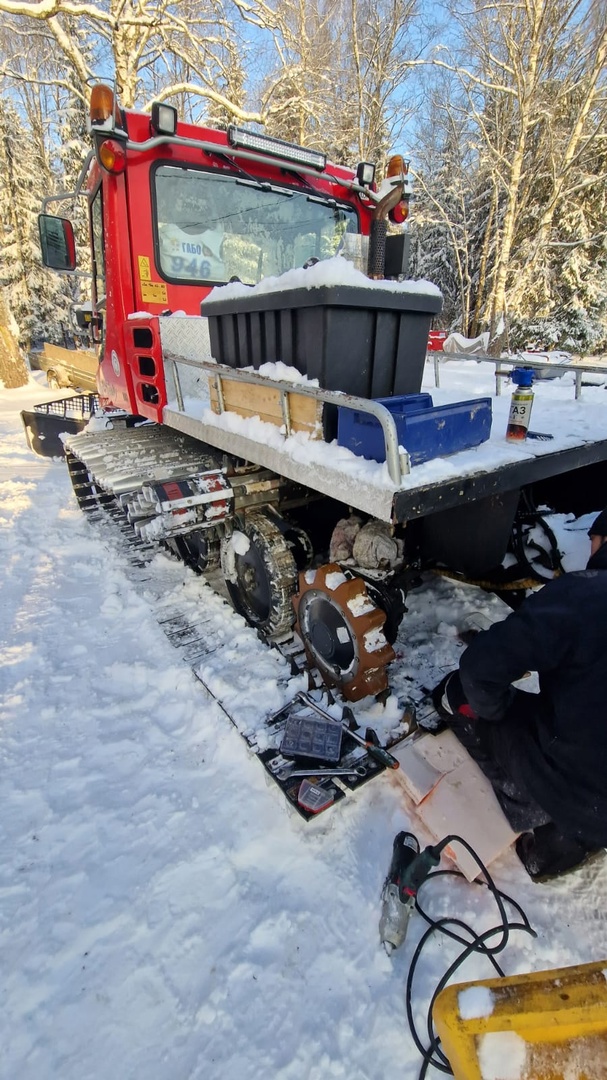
(408, 870)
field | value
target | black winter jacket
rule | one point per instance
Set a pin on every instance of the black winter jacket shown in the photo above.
(557, 749)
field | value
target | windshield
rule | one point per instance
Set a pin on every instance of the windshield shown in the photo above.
(212, 227)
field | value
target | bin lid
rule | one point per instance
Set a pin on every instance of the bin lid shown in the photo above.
(326, 296)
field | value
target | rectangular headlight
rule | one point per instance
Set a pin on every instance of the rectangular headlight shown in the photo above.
(365, 173)
(164, 118)
(264, 144)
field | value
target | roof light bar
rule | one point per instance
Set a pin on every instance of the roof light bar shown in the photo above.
(250, 140)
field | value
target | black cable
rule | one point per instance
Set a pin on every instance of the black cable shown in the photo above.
(527, 517)
(432, 1054)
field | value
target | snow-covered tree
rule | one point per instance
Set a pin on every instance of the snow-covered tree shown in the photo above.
(338, 80)
(443, 216)
(132, 39)
(231, 84)
(530, 93)
(37, 300)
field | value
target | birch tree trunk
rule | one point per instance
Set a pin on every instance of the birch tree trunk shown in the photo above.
(525, 68)
(13, 372)
(134, 37)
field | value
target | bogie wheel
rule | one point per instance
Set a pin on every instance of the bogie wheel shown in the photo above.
(260, 574)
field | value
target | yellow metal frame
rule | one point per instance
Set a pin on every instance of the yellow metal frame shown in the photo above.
(560, 1014)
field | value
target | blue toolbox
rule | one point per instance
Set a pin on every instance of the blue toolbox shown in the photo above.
(425, 430)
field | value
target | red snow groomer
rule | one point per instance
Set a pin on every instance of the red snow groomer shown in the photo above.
(174, 210)
(236, 469)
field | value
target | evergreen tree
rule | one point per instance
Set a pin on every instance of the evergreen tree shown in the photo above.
(72, 147)
(444, 212)
(36, 299)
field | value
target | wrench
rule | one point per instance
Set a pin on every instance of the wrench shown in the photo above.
(356, 770)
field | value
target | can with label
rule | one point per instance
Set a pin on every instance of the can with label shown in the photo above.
(521, 404)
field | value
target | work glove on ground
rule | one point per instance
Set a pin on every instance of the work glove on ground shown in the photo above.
(449, 699)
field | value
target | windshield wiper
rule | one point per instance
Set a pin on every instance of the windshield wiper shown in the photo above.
(324, 200)
(265, 185)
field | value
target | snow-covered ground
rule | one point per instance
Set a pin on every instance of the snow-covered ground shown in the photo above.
(162, 914)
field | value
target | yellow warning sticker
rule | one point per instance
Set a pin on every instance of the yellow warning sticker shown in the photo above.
(144, 268)
(154, 292)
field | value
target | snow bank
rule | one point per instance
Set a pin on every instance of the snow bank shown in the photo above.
(335, 271)
(163, 915)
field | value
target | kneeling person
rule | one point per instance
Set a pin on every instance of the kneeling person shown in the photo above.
(545, 754)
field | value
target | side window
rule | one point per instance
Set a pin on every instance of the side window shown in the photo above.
(96, 211)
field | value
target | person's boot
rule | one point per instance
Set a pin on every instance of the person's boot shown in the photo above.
(546, 853)
(449, 699)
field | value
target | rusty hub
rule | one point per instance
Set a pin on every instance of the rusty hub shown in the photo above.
(342, 631)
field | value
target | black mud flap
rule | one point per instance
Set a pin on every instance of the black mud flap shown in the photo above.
(45, 424)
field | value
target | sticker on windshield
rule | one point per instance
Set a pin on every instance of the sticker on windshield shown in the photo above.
(196, 256)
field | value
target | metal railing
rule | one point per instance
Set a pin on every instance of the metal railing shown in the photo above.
(397, 461)
(504, 367)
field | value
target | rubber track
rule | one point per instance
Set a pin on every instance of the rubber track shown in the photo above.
(210, 637)
(216, 643)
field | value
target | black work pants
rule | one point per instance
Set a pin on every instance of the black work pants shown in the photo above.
(484, 742)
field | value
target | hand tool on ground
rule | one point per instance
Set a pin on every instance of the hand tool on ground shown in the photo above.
(374, 751)
(355, 771)
(409, 869)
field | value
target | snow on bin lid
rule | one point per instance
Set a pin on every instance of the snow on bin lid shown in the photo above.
(327, 273)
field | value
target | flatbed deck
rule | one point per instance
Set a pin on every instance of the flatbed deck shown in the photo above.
(574, 436)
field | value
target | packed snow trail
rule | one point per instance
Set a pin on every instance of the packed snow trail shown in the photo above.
(162, 914)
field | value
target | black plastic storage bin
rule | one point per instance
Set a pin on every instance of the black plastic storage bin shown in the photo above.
(365, 341)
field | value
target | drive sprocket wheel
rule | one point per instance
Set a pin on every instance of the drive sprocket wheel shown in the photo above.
(342, 631)
(261, 578)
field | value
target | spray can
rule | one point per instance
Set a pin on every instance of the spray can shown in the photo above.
(520, 406)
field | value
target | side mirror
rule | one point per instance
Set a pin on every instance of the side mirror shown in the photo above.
(57, 242)
(82, 316)
(83, 321)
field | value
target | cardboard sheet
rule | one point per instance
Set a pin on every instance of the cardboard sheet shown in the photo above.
(450, 794)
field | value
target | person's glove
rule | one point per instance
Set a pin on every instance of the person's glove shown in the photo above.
(449, 699)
